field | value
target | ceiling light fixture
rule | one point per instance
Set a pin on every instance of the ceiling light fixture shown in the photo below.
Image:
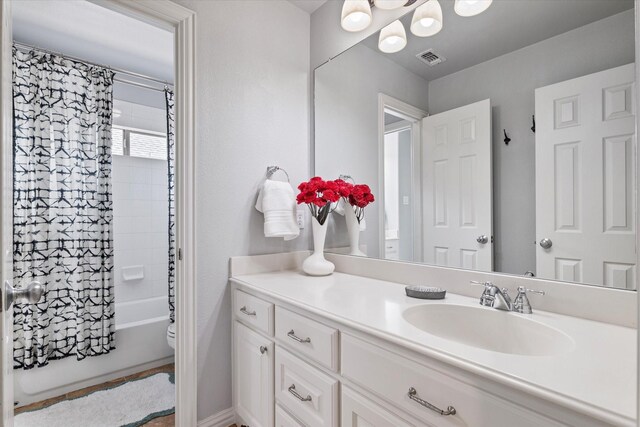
(356, 15)
(427, 19)
(389, 4)
(471, 7)
(393, 38)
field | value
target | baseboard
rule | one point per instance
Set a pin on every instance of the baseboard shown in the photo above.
(221, 419)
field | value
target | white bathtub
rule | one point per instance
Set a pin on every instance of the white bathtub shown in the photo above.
(141, 343)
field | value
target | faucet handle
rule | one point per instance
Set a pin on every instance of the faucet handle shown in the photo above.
(487, 285)
(522, 289)
(521, 304)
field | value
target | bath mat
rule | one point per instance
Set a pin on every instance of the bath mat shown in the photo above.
(130, 404)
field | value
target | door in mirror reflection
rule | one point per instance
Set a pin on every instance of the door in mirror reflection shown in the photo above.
(457, 187)
(585, 179)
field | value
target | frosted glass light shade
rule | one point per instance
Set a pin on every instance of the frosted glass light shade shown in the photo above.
(356, 15)
(471, 7)
(389, 4)
(427, 19)
(393, 38)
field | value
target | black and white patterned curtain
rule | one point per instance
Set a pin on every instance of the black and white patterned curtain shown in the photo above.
(172, 202)
(62, 207)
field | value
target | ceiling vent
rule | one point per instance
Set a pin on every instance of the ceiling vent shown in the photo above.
(430, 57)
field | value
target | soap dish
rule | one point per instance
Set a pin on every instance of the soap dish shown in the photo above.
(425, 292)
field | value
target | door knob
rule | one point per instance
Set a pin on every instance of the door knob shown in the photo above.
(31, 294)
(546, 243)
(482, 239)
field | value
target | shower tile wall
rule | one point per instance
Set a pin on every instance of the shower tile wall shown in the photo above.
(140, 225)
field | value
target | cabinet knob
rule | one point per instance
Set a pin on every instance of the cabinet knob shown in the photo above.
(263, 349)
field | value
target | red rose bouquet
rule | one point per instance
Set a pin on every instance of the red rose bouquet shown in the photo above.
(358, 196)
(319, 195)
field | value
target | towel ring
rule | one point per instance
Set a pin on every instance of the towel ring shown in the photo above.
(273, 169)
(347, 177)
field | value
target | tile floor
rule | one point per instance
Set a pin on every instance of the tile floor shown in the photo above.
(168, 421)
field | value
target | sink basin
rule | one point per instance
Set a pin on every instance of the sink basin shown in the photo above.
(489, 329)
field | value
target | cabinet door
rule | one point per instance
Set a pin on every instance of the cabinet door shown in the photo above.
(253, 380)
(358, 411)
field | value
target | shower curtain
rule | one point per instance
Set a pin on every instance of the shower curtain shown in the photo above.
(62, 208)
(172, 211)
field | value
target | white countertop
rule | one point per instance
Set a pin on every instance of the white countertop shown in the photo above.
(597, 377)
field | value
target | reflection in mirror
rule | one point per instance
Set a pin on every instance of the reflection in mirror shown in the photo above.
(425, 128)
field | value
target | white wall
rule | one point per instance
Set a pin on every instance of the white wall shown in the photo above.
(139, 116)
(138, 95)
(510, 81)
(346, 132)
(252, 81)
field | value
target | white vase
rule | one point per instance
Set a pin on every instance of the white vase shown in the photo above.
(316, 264)
(353, 228)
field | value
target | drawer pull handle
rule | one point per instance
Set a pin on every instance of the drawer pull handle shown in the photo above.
(413, 396)
(263, 349)
(292, 390)
(243, 310)
(293, 336)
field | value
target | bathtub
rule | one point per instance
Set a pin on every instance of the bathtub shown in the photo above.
(141, 343)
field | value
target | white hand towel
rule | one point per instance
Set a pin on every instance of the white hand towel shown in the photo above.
(278, 203)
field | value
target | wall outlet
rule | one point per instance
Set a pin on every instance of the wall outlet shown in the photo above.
(405, 200)
(300, 216)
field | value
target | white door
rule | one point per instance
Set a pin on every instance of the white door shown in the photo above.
(254, 382)
(6, 216)
(457, 202)
(585, 179)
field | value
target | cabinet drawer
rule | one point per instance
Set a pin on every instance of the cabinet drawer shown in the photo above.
(283, 419)
(253, 311)
(307, 393)
(314, 340)
(358, 411)
(391, 376)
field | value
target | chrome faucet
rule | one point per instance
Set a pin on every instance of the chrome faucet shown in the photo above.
(499, 298)
(494, 296)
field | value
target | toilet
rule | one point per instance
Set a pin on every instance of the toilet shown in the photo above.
(171, 335)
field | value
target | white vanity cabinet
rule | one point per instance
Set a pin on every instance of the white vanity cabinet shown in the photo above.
(295, 368)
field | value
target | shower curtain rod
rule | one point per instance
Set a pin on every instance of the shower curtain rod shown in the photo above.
(27, 47)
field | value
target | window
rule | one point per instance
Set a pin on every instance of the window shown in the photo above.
(135, 143)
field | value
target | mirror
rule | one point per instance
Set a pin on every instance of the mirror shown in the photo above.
(505, 142)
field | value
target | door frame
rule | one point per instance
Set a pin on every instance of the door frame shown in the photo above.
(637, 177)
(415, 116)
(181, 21)
(6, 209)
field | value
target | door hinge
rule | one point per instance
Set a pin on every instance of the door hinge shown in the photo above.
(179, 254)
